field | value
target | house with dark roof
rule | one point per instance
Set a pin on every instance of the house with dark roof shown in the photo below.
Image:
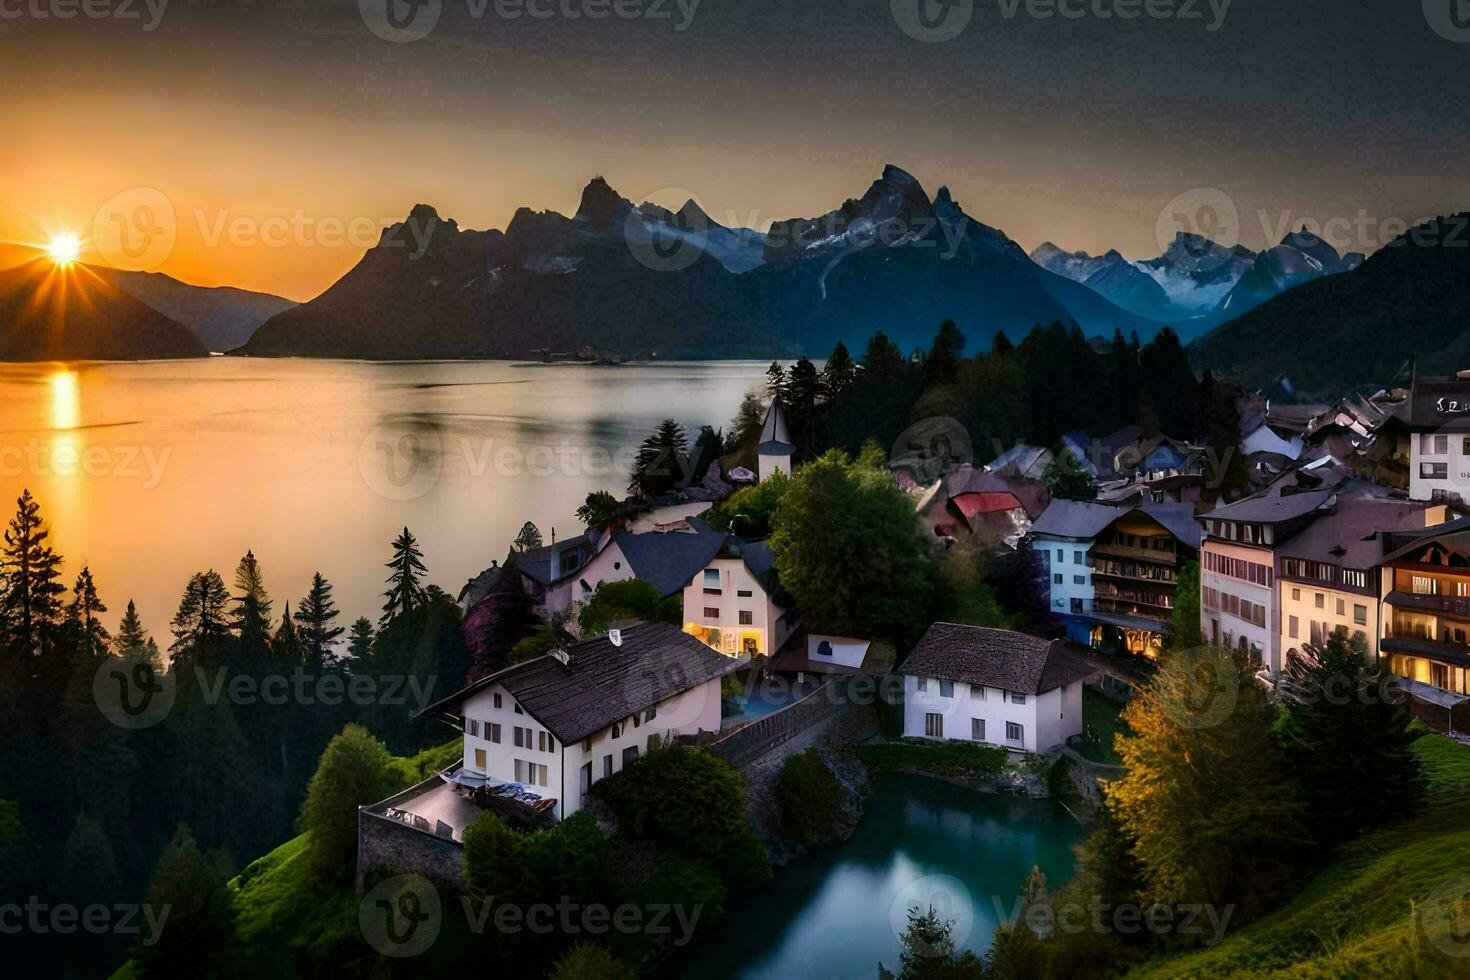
(549, 728)
(998, 687)
(1111, 570)
(1431, 427)
(734, 603)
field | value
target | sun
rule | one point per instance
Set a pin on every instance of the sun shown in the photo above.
(64, 248)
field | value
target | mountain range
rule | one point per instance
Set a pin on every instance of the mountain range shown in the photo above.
(1198, 284)
(1408, 302)
(32, 289)
(640, 279)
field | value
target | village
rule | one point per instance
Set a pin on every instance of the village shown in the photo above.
(1351, 524)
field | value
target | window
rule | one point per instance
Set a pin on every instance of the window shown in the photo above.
(1057, 578)
(1296, 595)
(629, 754)
(471, 727)
(518, 737)
(518, 710)
(946, 689)
(1079, 579)
(1425, 585)
(1015, 732)
(1439, 674)
(923, 683)
(1434, 471)
(1321, 601)
(1017, 698)
(587, 744)
(497, 699)
(977, 691)
(747, 618)
(480, 759)
(494, 732)
(710, 612)
(1294, 628)
(607, 765)
(1076, 557)
(650, 714)
(977, 729)
(934, 725)
(637, 720)
(712, 580)
(1341, 609)
(543, 741)
(1360, 614)
(1436, 444)
(1356, 580)
(1061, 556)
(586, 777)
(743, 593)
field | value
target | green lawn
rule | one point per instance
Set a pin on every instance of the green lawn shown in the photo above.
(1360, 916)
(1101, 716)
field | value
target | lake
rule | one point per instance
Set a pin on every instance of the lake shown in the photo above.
(151, 471)
(837, 913)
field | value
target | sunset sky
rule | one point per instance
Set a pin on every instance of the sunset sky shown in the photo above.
(293, 120)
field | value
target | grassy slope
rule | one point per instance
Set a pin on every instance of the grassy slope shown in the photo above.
(286, 922)
(1356, 918)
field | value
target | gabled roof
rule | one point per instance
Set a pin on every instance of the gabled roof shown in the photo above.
(1177, 518)
(995, 658)
(1284, 500)
(668, 560)
(1076, 518)
(602, 683)
(1452, 536)
(1348, 536)
(544, 565)
(775, 437)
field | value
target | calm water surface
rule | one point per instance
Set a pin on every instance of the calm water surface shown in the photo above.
(150, 472)
(838, 913)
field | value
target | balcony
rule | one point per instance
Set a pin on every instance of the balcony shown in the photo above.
(1107, 548)
(1450, 605)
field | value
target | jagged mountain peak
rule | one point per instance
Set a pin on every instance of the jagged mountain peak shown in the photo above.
(600, 204)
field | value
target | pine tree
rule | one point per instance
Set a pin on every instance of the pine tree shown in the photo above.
(883, 361)
(202, 621)
(360, 643)
(200, 931)
(315, 615)
(30, 570)
(528, 539)
(132, 637)
(252, 618)
(85, 605)
(745, 432)
(404, 590)
(1001, 346)
(839, 372)
(286, 646)
(776, 381)
(943, 363)
(661, 461)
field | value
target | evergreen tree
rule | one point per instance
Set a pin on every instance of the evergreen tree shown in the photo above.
(404, 591)
(708, 449)
(252, 619)
(529, 538)
(360, 643)
(1184, 621)
(745, 432)
(1170, 384)
(803, 391)
(1001, 346)
(200, 934)
(840, 371)
(1348, 740)
(131, 636)
(353, 771)
(1123, 382)
(943, 363)
(85, 605)
(661, 461)
(202, 622)
(30, 572)
(1217, 415)
(776, 381)
(883, 361)
(286, 646)
(927, 951)
(315, 615)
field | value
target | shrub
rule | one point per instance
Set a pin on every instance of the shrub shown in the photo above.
(951, 758)
(588, 961)
(353, 771)
(810, 798)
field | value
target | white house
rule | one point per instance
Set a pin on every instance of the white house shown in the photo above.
(1435, 421)
(551, 727)
(731, 604)
(775, 449)
(976, 684)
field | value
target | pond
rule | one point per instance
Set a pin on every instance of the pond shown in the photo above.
(840, 912)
